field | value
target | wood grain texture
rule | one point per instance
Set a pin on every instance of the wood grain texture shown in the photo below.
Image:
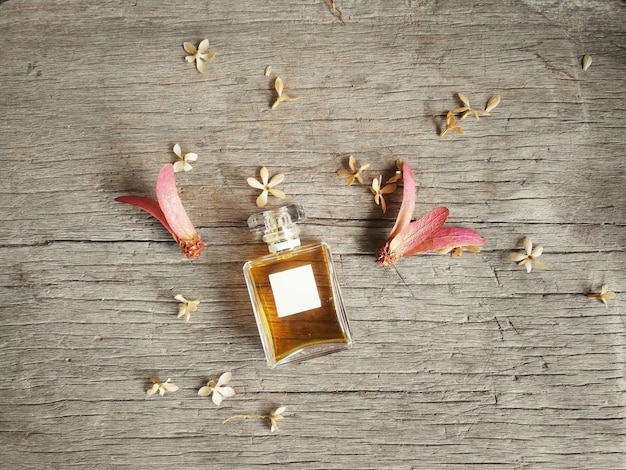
(459, 362)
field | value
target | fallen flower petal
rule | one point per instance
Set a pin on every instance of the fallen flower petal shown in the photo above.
(451, 125)
(273, 417)
(266, 185)
(187, 307)
(529, 258)
(379, 192)
(447, 239)
(354, 173)
(604, 295)
(161, 387)
(278, 86)
(218, 391)
(183, 163)
(169, 210)
(198, 55)
(492, 103)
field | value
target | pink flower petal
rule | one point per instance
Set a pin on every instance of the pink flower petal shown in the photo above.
(171, 205)
(408, 241)
(148, 205)
(408, 202)
(447, 238)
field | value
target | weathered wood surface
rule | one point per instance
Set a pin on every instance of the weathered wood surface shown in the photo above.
(459, 362)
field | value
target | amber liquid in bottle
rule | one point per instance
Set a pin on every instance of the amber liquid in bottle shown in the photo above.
(297, 303)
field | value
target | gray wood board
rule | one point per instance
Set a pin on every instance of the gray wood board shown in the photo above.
(459, 361)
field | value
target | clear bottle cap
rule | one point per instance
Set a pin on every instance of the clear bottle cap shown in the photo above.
(278, 227)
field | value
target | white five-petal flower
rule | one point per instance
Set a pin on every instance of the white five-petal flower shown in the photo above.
(198, 55)
(267, 186)
(161, 387)
(184, 158)
(217, 390)
(529, 257)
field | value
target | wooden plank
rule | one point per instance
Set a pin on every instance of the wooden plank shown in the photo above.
(458, 361)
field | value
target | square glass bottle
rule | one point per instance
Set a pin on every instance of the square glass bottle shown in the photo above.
(294, 292)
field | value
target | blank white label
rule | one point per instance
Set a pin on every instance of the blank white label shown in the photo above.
(295, 291)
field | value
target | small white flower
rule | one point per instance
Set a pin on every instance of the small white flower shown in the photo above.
(275, 416)
(217, 390)
(198, 55)
(187, 307)
(161, 387)
(529, 257)
(184, 158)
(267, 186)
(604, 294)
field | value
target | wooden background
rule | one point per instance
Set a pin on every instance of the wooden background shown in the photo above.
(458, 362)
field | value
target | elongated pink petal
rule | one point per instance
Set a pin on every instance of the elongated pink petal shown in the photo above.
(447, 238)
(408, 240)
(408, 202)
(148, 205)
(171, 205)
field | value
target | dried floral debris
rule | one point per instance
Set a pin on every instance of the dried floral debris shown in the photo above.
(336, 12)
(397, 176)
(161, 387)
(492, 103)
(274, 416)
(267, 71)
(169, 210)
(187, 307)
(184, 158)
(529, 257)
(379, 192)
(355, 172)
(586, 62)
(451, 125)
(281, 95)
(198, 55)
(267, 186)
(604, 295)
(217, 390)
(466, 109)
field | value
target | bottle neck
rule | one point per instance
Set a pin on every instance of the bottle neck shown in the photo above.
(284, 245)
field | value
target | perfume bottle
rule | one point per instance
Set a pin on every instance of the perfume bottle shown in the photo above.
(294, 292)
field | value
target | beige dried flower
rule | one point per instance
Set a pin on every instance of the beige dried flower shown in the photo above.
(267, 186)
(274, 416)
(529, 257)
(217, 390)
(278, 86)
(466, 109)
(458, 251)
(161, 387)
(492, 103)
(184, 158)
(586, 61)
(378, 192)
(398, 174)
(198, 55)
(451, 125)
(187, 307)
(354, 173)
(604, 294)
